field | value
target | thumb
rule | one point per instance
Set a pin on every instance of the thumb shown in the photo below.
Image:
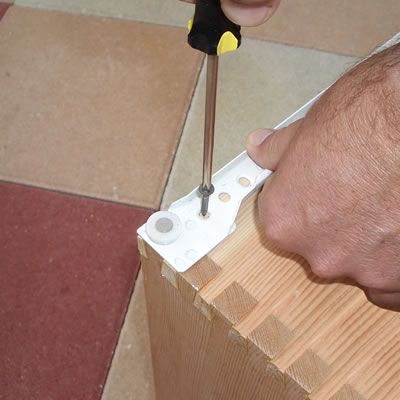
(266, 147)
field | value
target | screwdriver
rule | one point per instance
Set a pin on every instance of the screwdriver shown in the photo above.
(211, 32)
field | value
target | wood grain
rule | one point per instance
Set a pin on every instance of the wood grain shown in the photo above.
(250, 321)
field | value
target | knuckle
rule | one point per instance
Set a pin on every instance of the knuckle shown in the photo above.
(325, 266)
(276, 221)
(275, 231)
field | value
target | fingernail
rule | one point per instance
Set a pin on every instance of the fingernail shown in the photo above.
(258, 137)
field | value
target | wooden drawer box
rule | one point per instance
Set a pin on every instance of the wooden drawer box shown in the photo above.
(250, 322)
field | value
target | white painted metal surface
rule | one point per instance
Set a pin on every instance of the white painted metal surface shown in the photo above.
(193, 236)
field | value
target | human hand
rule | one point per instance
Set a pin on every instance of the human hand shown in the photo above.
(248, 12)
(335, 195)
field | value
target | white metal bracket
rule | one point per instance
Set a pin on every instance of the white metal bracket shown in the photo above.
(182, 236)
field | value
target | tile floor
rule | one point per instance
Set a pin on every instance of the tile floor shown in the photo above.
(101, 109)
(68, 267)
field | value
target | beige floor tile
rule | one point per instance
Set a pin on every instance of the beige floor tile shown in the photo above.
(259, 86)
(340, 26)
(169, 12)
(131, 374)
(92, 105)
(353, 27)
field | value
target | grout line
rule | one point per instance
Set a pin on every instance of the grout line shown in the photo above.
(78, 195)
(119, 334)
(4, 8)
(196, 85)
(298, 46)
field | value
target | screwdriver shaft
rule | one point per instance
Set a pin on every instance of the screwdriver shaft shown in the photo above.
(206, 188)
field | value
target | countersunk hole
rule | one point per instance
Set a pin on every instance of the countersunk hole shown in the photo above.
(204, 216)
(164, 225)
(191, 254)
(244, 182)
(190, 225)
(224, 197)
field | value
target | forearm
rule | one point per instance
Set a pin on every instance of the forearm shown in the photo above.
(367, 95)
(384, 70)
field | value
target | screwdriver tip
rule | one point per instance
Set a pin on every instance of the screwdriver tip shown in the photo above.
(205, 197)
(204, 206)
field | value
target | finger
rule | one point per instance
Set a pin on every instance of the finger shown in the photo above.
(249, 12)
(266, 147)
(388, 300)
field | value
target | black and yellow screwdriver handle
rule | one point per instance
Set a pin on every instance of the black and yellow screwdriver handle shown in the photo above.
(210, 31)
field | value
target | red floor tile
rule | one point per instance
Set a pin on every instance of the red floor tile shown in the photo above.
(67, 268)
(3, 9)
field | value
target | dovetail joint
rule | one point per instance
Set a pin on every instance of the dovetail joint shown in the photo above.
(203, 307)
(169, 274)
(142, 247)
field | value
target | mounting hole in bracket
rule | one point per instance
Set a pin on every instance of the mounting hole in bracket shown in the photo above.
(244, 182)
(190, 225)
(191, 254)
(224, 197)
